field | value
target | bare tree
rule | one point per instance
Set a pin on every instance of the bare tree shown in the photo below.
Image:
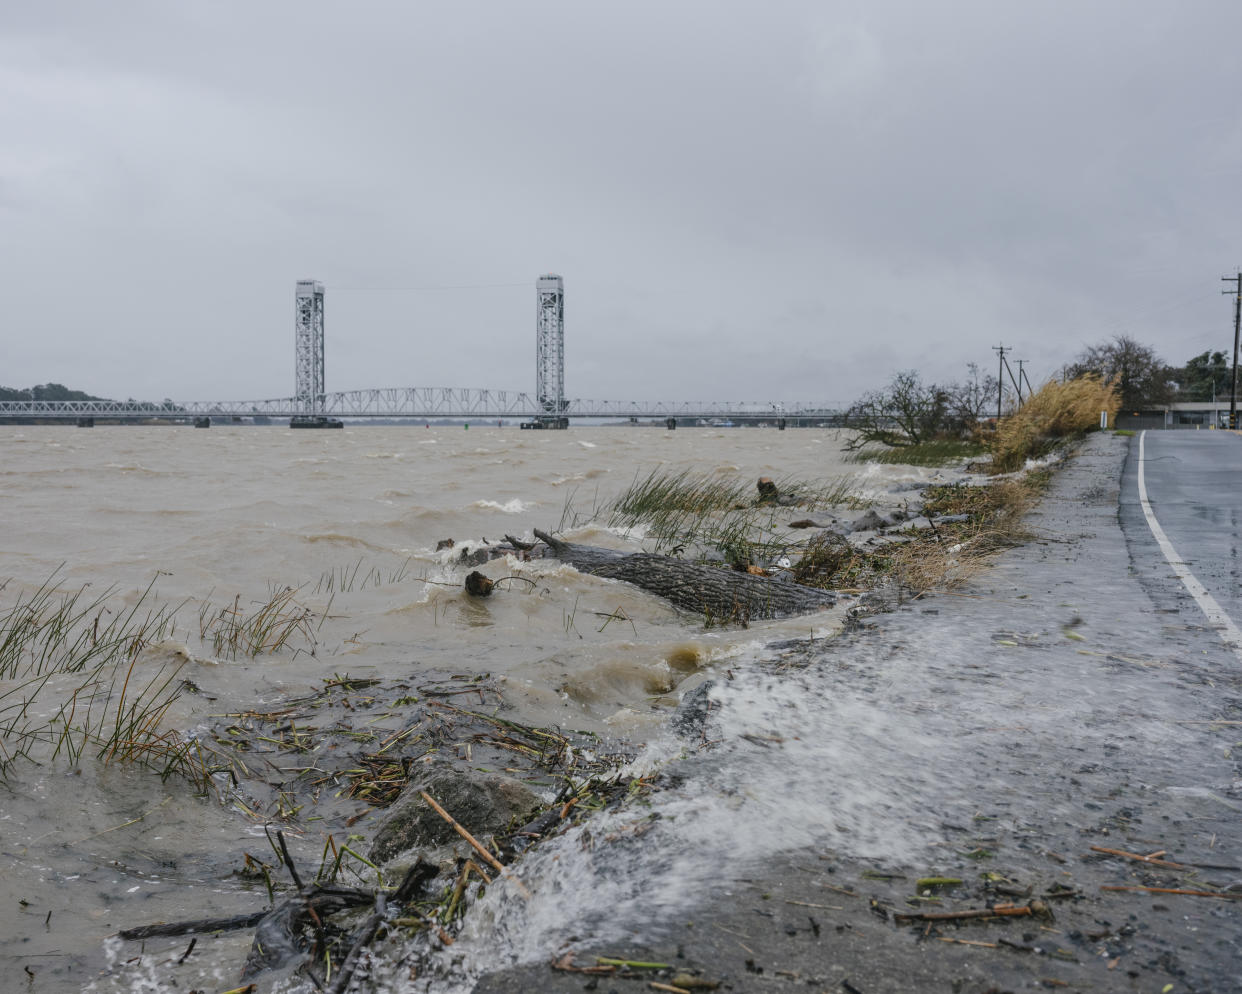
(907, 412)
(904, 413)
(971, 400)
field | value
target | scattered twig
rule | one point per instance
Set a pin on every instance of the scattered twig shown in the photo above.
(293, 872)
(432, 923)
(361, 938)
(629, 964)
(1223, 895)
(475, 844)
(524, 579)
(566, 965)
(170, 929)
(1141, 859)
(1035, 908)
(966, 942)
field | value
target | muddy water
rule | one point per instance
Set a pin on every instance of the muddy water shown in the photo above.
(350, 520)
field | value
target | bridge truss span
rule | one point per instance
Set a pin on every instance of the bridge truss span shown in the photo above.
(429, 402)
(414, 403)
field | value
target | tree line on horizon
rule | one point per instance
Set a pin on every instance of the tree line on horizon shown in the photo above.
(45, 391)
(910, 412)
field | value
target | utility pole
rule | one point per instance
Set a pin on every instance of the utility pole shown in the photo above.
(1021, 363)
(1030, 390)
(1000, 378)
(1237, 324)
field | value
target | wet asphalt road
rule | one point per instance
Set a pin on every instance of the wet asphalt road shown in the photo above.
(1072, 697)
(1194, 488)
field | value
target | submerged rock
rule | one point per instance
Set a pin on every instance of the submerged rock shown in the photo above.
(870, 522)
(690, 718)
(482, 803)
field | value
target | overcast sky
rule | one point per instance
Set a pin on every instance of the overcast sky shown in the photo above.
(767, 201)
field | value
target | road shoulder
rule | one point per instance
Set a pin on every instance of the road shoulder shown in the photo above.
(1065, 715)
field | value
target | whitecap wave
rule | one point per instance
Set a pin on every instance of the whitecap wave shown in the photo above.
(515, 506)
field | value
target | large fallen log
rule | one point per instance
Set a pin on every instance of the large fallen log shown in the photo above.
(721, 595)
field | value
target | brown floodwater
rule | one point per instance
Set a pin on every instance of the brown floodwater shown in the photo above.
(199, 522)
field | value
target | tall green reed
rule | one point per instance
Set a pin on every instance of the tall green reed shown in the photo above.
(702, 514)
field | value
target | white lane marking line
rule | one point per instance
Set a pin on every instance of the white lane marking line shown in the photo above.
(1216, 616)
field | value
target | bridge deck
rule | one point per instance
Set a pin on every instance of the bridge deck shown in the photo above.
(413, 402)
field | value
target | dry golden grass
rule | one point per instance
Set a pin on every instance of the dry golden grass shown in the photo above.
(959, 552)
(931, 559)
(1057, 411)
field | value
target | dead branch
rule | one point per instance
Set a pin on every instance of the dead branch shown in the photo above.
(1141, 859)
(1223, 895)
(1035, 908)
(475, 844)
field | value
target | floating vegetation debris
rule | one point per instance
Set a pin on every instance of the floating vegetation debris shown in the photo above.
(353, 748)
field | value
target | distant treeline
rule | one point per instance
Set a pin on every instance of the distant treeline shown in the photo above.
(46, 391)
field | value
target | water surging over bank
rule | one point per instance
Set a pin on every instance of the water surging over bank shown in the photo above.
(351, 524)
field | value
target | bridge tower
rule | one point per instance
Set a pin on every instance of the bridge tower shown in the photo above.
(308, 351)
(550, 351)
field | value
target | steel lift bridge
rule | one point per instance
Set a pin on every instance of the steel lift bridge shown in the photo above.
(313, 407)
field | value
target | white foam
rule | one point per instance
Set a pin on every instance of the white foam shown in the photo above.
(794, 767)
(514, 506)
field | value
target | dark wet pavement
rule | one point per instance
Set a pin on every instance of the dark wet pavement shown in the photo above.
(1072, 697)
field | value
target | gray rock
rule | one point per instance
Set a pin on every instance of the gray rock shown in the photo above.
(482, 803)
(869, 522)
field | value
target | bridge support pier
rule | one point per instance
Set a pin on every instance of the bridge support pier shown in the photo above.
(308, 354)
(550, 351)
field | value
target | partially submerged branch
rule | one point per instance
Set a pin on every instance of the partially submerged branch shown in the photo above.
(719, 594)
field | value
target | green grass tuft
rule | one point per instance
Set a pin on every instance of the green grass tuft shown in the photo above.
(715, 518)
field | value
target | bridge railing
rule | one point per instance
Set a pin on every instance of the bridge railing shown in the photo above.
(416, 402)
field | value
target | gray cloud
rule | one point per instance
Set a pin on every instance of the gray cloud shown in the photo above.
(778, 201)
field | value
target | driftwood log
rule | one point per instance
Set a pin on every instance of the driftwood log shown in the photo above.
(721, 595)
